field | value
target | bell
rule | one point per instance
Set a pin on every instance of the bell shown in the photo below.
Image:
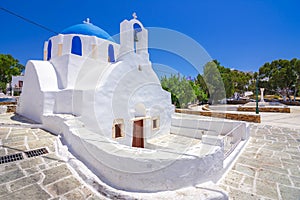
(135, 36)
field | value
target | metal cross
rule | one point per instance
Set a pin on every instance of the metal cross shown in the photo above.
(134, 15)
(87, 21)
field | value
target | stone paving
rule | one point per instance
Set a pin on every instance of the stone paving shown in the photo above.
(269, 166)
(41, 177)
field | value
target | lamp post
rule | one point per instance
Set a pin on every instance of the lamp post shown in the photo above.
(256, 108)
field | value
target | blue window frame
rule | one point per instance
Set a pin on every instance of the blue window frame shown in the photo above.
(111, 53)
(49, 48)
(76, 46)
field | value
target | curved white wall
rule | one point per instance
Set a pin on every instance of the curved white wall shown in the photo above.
(132, 169)
(38, 94)
(119, 88)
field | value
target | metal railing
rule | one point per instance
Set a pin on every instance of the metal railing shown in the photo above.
(232, 139)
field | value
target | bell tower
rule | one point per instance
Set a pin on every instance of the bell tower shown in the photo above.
(133, 38)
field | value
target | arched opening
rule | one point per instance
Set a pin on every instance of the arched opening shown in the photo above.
(76, 46)
(136, 29)
(49, 48)
(111, 53)
(118, 128)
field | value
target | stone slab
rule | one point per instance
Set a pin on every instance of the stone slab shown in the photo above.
(63, 186)
(32, 192)
(55, 174)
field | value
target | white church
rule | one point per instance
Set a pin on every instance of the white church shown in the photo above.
(106, 102)
(85, 73)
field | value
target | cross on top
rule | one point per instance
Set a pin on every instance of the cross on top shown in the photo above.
(134, 15)
(87, 21)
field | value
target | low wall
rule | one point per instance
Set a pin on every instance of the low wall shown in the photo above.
(210, 127)
(265, 109)
(237, 101)
(135, 169)
(10, 106)
(213, 132)
(291, 103)
(233, 116)
(7, 103)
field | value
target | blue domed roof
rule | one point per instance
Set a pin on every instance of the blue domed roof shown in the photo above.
(87, 29)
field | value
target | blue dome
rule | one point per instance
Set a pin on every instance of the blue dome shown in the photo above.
(87, 29)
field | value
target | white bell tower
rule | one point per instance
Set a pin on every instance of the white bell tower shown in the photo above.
(133, 38)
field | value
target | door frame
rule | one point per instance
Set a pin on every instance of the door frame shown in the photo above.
(138, 132)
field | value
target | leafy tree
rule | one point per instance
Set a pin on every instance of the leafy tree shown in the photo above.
(281, 76)
(181, 90)
(227, 79)
(214, 82)
(241, 80)
(9, 67)
(234, 80)
(296, 70)
(201, 95)
(202, 87)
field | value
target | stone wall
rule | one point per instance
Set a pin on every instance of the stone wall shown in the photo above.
(233, 116)
(265, 109)
(8, 103)
(10, 106)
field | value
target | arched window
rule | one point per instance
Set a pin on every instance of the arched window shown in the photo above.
(49, 50)
(137, 28)
(111, 54)
(76, 46)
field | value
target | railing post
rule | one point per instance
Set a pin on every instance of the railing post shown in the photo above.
(256, 108)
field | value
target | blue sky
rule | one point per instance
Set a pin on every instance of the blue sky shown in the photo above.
(240, 34)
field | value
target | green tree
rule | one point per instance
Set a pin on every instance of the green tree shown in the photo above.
(9, 67)
(241, 80)
(203, 90)
(296, 70)
(280, 76)
(214, 82)
(234, 80)
(181, 90)
(227, 79)
(201, 95)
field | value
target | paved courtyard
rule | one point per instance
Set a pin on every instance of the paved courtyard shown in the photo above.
(40, 177)
(268, 168)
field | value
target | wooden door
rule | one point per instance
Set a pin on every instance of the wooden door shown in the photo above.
(138, 138)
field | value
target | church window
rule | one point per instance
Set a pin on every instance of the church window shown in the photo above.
(118, 128)
(111, 54)
(76, 46)
(155, 123)
(49, 48)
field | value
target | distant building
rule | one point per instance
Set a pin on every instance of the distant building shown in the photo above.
(16, 84)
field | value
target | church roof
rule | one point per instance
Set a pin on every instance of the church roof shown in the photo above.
(87, 29)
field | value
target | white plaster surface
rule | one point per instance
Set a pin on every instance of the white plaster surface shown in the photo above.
(193, 125)
(15, 81)
(40, 84)
(140, 170)
(207, 190)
